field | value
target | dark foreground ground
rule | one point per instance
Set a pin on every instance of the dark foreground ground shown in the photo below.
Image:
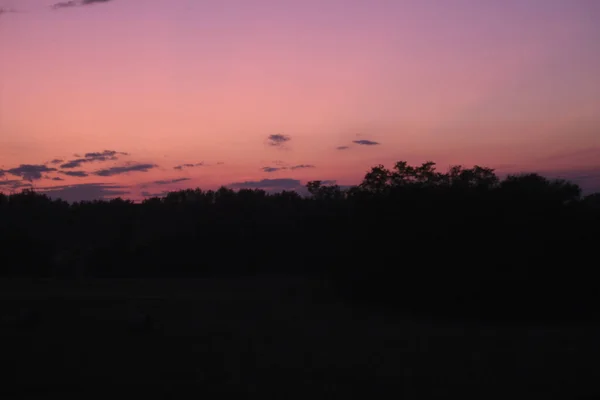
(270, 337)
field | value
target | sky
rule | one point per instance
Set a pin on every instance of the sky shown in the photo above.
(133, 98)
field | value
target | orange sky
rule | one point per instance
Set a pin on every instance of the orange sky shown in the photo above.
(511, 84)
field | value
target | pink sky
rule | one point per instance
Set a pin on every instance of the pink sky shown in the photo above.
(512, 84)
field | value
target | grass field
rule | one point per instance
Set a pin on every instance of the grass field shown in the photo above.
(283, 337)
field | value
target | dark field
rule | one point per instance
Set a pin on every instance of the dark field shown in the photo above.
(284, 337)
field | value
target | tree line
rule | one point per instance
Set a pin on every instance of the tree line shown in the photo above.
(459, 242)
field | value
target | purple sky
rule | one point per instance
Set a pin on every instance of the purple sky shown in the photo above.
(189, 93)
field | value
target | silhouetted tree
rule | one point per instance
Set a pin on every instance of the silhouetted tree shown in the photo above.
(460, 242)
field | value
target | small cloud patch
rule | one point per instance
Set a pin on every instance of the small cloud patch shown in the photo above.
(125, 169)
(272, 169)
(278, 140)
(79, 174)
(170, 181)
(365, 142)
(73, 3)
(106, 155)
(30, 172)
(189, 165)
(302, 166)
(281, 166)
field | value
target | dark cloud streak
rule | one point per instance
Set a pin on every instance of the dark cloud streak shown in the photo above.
(73, 3)
(30, 172)
(278, 140)
(281, 167)
(79, 174)
(302, 166)
(365, 142)
(182, 166)
(106, 155)
(169, 181)
(125, 169)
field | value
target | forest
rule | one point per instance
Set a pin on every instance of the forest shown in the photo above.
(461, 243)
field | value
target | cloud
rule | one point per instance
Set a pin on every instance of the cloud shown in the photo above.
(84, 191)
(56, 161)
(365, 142)
(57, 178)
(272, 169)
(167, 182)
(73, 3)
(30, 172)
(13, 183)
(342, 147)
(88, 2)
(182, 166)
(2, 173)
(106, 155)
(282, 167)
(7, 11)
(79, 174)
(302, 166)
(64, 4)
(278, 140)
(125, 169)
(74, 163)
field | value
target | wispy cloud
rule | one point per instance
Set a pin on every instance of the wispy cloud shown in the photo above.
(365, 142)
(169, 181)
(278, 140)
(106, 155)
(272, 169)
(342, 147)
(88, 2)
(7, 11)
(56, 161)
(282, 167)
(125, 169)
(302, 166)
(30, 172)
(14, 183)
(182, 166)
(73, 3)
(79, 174)
(64, 4)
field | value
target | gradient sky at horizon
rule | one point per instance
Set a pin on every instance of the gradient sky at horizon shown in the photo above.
(510, 84)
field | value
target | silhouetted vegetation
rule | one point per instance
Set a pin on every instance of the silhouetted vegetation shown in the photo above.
(463, 243)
